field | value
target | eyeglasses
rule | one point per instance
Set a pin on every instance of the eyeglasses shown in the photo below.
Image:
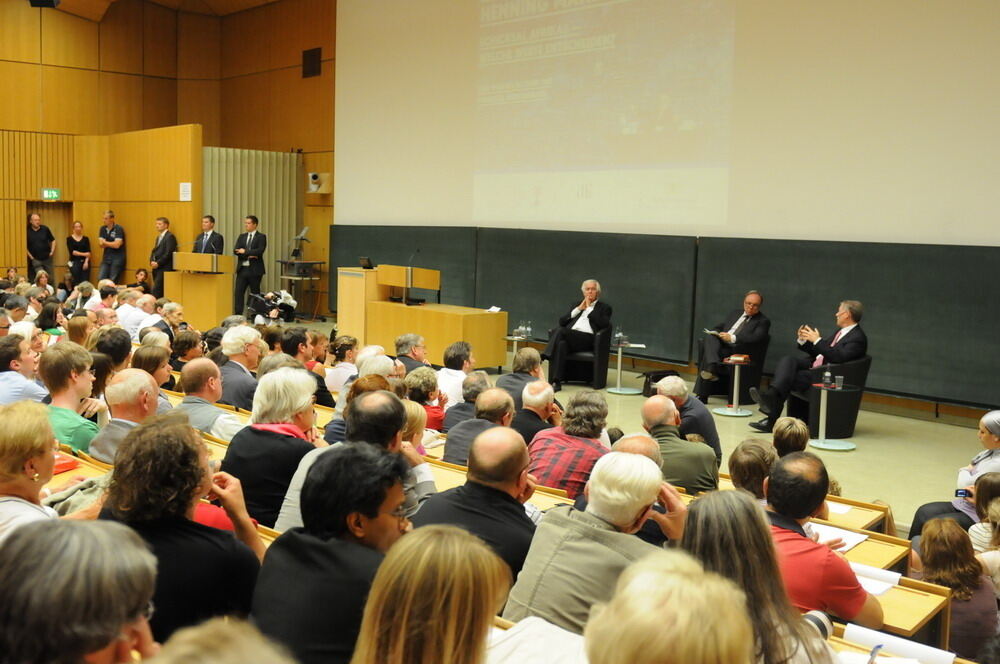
(148, 612)
(399, 513)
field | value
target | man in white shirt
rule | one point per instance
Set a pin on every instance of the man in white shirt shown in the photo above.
(458, 362)
(145, 305)
(126, 303)
(17, 371)
(576, 330)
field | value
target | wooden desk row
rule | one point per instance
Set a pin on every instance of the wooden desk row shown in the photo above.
(323, 413)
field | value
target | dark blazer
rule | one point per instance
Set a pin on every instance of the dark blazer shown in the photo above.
(237, 387)
(164, 326)
(514, 384)
(751, 332)
(255, 253)
(528, 423)
(410, 363)
(215, 244)
(852, 346)
(600, 317)
(163, 253)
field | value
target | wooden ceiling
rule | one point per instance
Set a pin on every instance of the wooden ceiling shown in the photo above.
(95, 9)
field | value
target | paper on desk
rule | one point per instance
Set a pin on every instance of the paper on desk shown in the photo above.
(826, 533)
(896, 645)
(493, 309)
(862, 658)
(837, 508)
(875, 580)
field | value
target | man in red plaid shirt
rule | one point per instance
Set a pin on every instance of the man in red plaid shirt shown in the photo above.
(562, 457)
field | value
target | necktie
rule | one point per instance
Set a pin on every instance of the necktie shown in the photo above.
(204, 243)
(819, 358)
(738, 324)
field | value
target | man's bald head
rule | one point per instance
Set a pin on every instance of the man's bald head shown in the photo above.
(493, 405)
(797, 485)
(659, 410)
(498, 457)
(196, 375)
(639, 443)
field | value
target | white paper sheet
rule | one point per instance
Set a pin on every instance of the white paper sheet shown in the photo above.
(838, 508)
(861, 658)
(826, 533)
(896, 645)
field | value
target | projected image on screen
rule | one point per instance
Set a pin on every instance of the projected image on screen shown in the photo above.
(595, 111)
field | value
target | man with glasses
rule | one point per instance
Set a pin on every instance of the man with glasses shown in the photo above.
(4, 323)
(740, 330)
(411, 351)
(17, 371)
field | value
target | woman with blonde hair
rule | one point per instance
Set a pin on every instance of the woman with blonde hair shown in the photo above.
(668, 610)
(416, 423)
(78, 328)
(155, 360)
(42, 280)
(727, 531)
(948, 560)
(434, 599)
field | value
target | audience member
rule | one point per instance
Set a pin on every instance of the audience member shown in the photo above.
(562, 457)
(126, 303)
(276, 361)
(433, 600)
(750, 464)
(51, 321)
(17, 307)
(987, 489)
(411, 351)
(186, 347)
(685, 464)
(145, 306)
(161, 474)
(27, 444)
(422, 387)
(576, 557)
(201, 382)
(131, 395)
(157, 316)
(458, 362)
(345, 349)
(790, 435)
(472, 386)
(17, 371)
(76, 592)
(239, 345)
(527, 368)
(336, 428)
(65, 370)
(78, 329)
(172, 320)
(539, 410)
(494, 407)
(222, 641)
(695, 417)
(352, 513)
(155, 360)
(416, 424)
(490, 504)
(815, 577)
(116, 344)
(142, 283)
(295, 342)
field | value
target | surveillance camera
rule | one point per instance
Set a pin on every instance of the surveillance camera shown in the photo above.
(314, 177)
(314, 183)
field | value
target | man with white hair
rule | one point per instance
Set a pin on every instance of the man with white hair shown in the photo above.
(695, 417)
(539, 411)
(145, 306)
(241, 345)
(685, 464)
(173, 316)
(576, 330)
(576, 557)
(126, 303)
(132, 397)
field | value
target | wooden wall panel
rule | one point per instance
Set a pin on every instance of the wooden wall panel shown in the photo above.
(159, 102)
(199, 102)
(159, 44)
(91, 166)
(69, 41)
(199, 46)
(13, 225)
(247, 41)
(19, 32)
(21, 108)
(121, 38)
(301, 110)
(30, 161)
(245, 112)
(69, 100)
(120, 102)
(299, 25)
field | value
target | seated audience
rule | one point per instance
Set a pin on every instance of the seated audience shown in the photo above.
(52, 321)
(156, 317)
(27, 445)
(494, 408)
(65, 370)
(374, 418)
(667, 610)
(76, 592)
(948, 560)
(186, 347)
(239, 345)
(107, 316)
(78, 329)
(201, 382)
(695, 417)
(295, 342)
(750, 464)
(987, 489)
(222, 641)
(458, 363)
(126, 303)
(42, 281)
(155, 361)
(576, 557)
(728, 533)
(960, 509)
(345, 349)
(562, 457)
(141, 281)
(527, 368)
(411, 351)
(815, 577)
(171, 320)
(490, 504)
(352, 513)
(422, 387)
(539, 410)
(131, 395)
(17, 371)
(336, 428)
(472, 386)
(161, 474)
(790, 435)
(274, 362)
(265, 455)
(416, 424)
(116, 344)
(433, 600)
(271, 336)
(17, 308)
(371, 360)
(145, 306)
(685, 464)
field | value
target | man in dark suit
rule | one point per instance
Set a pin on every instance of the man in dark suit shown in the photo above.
(576, 330)
(741, 330)
(250, 270)
(792, 373)
(161, 258)
(209, 242)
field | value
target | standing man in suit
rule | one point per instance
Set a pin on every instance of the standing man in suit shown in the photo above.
(161, 258)
(792, 373)
(209, 242)
(740, 330)
(576, 330)
(250, 270)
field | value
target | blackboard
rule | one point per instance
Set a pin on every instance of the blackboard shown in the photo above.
(648, 279)
(931, 311)
(452, 250)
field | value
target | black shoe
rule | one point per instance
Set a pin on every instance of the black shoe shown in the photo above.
(556, 386)
(764, 425)
(761, 400)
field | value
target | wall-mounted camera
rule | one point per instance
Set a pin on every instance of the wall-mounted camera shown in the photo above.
(318, 183)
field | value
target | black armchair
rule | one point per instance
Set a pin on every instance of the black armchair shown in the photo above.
(750, 374)
(841, 407)
(591, 366)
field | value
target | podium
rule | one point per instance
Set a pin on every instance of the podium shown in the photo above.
(203, 283)
(365, 311)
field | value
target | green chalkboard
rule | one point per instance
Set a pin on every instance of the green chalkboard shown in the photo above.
(931, 311)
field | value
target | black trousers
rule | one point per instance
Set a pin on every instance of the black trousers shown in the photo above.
(158, 282)
(713, 351)
(791, 375)
(245, 280)
(942, 510)
(563, 342)
(79, 274)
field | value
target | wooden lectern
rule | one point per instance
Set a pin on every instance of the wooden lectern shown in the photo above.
(203, 283)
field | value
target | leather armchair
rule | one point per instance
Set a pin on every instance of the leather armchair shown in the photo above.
(841, 407)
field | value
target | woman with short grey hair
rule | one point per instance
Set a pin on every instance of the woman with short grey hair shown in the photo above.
(75, 591)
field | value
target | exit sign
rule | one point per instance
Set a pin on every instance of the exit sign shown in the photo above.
(51, 194)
